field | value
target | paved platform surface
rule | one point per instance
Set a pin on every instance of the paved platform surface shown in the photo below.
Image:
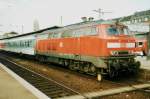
(145, 64)
(11, 88)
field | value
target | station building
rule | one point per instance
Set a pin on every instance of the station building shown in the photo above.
(139, 22)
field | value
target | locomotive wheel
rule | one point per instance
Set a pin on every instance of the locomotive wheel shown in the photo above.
(81, 69)
(65, 63)
(86, 69)
(113, 73)
(136, 68)
(92, 69)
(71, 67)
(41, 59)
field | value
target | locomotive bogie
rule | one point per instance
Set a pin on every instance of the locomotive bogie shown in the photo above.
(118, 65)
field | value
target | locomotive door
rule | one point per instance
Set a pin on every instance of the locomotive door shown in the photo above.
(78, 49)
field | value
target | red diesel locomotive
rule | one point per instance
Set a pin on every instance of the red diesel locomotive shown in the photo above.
(94, 47)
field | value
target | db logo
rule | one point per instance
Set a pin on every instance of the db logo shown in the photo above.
(60, 44)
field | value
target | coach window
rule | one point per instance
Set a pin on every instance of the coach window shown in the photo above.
(28, 43)
(13, 44)
(8, 44)
(17, 44)
(21, 43)
(31, 43)
(25, 43)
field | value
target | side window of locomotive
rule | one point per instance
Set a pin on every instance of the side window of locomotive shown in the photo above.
(77, 33)
(56, 35)
(66, 34)
(59, 35)
(31, 43)
(94, 31)
(43, 36)
(85, 31)
(50, 35)
(112, 31)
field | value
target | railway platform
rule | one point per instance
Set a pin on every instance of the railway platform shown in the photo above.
(10, 88)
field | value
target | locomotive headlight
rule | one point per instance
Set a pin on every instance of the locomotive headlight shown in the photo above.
(114, 52)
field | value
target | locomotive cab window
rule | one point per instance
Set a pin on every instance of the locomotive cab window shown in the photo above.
(117, 30)
(112, 31)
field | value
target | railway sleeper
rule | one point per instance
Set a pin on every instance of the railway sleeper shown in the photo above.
(51, 91)
(34, 80)
(40, 84)
(30, 76)
(58, 93)
(51, 87)
(57, 96)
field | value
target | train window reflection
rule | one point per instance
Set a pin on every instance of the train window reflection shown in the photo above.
(112, 31)
(117, 31)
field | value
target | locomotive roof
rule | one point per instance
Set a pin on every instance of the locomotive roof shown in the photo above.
(87, 23)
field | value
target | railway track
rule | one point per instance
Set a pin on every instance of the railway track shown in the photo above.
(114, 83)
(46, 85)
(119, 81)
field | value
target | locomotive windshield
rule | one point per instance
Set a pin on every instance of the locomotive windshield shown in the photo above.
(113, 30)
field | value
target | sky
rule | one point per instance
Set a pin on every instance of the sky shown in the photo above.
(19, 15)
